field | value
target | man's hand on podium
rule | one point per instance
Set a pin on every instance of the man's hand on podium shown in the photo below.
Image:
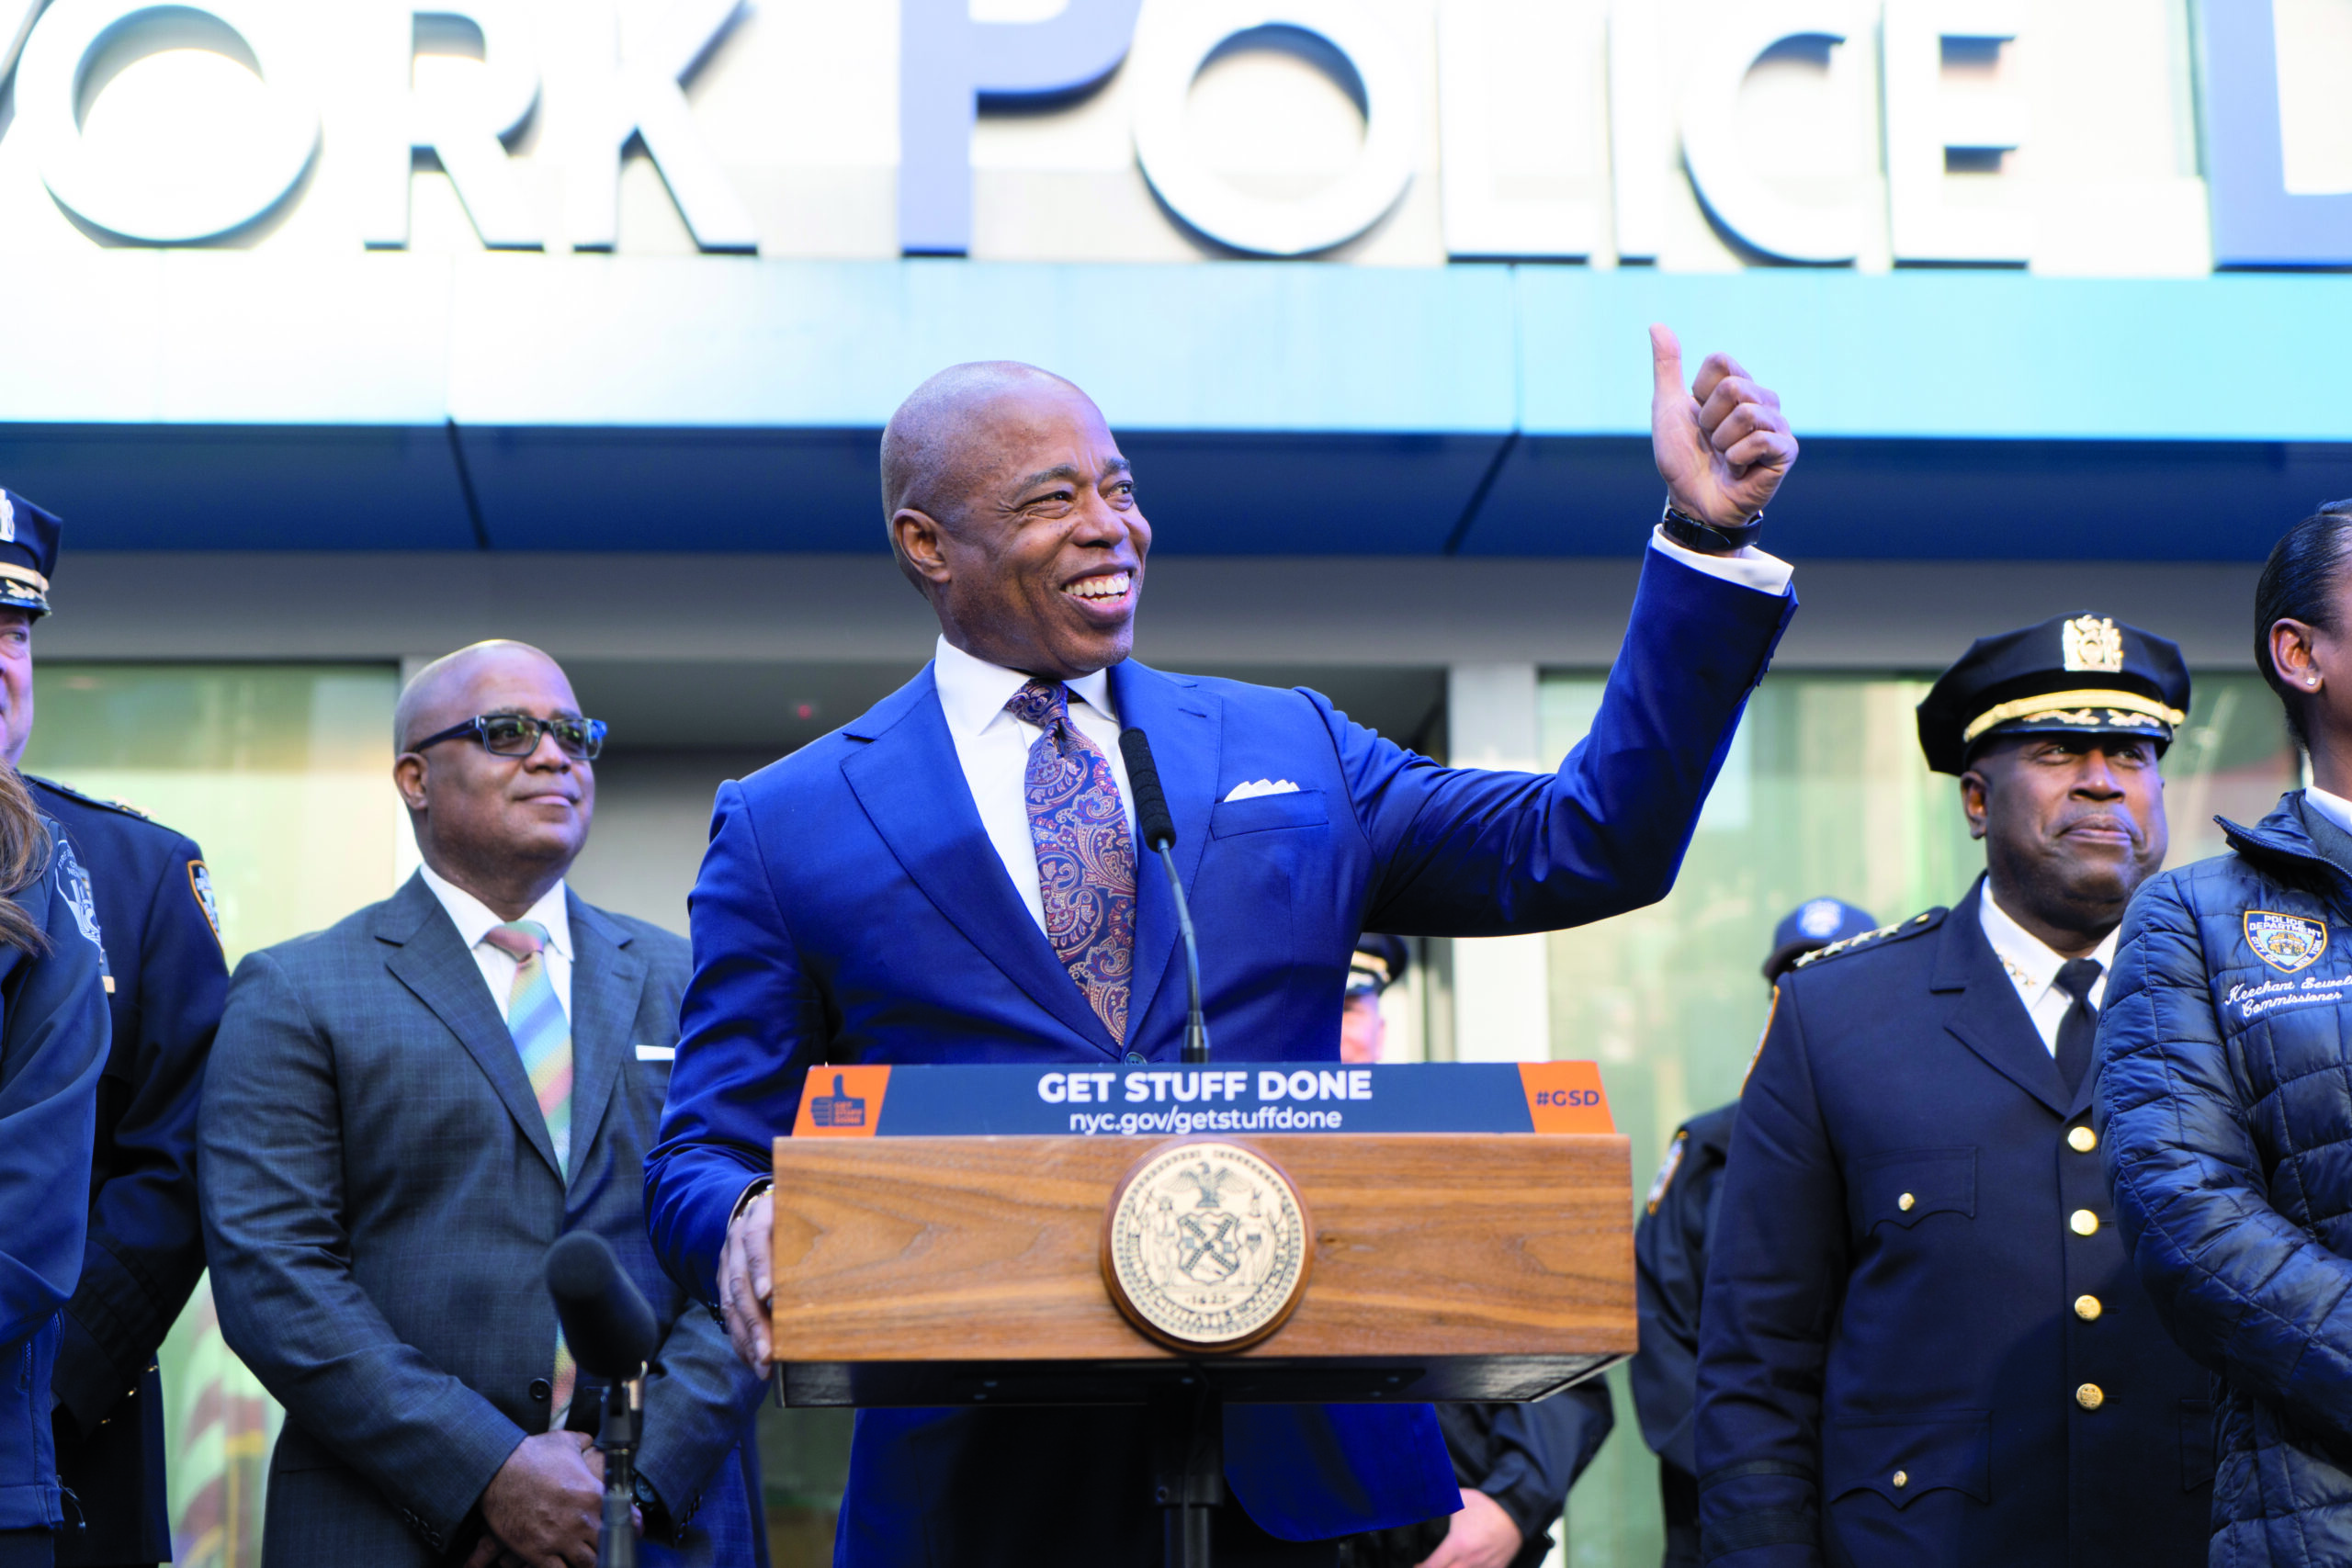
(1480, 1536)
(745, 1290)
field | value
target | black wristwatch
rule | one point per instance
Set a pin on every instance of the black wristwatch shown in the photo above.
(1692, 535)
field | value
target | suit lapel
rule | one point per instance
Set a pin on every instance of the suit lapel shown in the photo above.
(1985, 1014)
(428, 958)
(910, 784)
(1186, 727)
(607, 981)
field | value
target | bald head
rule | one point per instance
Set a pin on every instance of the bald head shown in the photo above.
(950, 435)
(442, 693)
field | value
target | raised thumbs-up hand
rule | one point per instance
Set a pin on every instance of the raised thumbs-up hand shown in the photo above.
(1722, 447)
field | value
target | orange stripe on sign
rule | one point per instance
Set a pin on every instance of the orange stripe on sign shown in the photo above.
(1565, 1097)
(841, 1102)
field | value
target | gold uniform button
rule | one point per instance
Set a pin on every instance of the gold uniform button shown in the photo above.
(1906, 1202)
(2087, 1308)
(2081, 1140)
(2084, 1223)
(2090, 1396)
(1901, 1479)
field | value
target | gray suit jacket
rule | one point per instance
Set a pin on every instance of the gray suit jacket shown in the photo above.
(380, 1194)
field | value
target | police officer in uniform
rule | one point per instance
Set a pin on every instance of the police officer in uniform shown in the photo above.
(168, 981)
(1923, 1342)
(1670, 1254)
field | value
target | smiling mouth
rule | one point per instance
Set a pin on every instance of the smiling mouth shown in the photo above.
(1104, 589)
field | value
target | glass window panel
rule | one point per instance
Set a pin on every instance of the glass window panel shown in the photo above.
(1822, 791)
(282, 775)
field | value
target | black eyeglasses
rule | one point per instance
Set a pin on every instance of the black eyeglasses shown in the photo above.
(517, 735)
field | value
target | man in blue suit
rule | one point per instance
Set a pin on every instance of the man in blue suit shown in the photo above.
(952, 879)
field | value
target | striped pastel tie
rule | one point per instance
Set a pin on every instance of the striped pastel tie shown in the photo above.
(543, 1037)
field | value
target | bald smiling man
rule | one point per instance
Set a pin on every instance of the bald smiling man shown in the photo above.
(952, 879)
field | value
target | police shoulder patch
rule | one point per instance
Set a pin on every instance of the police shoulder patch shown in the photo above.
(1673, 1163)
(1898, 931)
(199, 881)
(2286, 942)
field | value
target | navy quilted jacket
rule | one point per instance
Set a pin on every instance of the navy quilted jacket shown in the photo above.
(2225, 1104)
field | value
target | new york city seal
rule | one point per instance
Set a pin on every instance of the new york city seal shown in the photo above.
(1205, 1246)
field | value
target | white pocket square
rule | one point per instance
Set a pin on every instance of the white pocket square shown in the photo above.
(657, 1053)
(1263, 787)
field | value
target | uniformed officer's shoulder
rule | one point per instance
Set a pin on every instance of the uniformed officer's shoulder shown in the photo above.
(1884, 939)
(49, 792)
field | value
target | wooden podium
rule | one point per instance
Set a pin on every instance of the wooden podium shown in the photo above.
(936, 1270)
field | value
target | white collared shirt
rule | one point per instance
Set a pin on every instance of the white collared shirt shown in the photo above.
(2334, 807)
(474, 919)
(993, 749)
(1747, 566)
(2033, 968)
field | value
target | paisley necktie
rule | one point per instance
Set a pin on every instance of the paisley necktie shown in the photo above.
(1086, 860)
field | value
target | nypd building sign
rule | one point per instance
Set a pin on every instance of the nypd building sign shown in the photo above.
(2100, 138)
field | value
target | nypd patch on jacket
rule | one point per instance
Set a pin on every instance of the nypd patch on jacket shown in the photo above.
(1923, 1341)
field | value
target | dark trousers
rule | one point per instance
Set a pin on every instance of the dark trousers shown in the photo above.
(1678, 1489)
(27, 1549)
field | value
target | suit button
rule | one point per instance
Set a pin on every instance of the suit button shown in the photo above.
(2087, 1308)
(2090, 1396)
(1135, 1056)
(540, 1392)
(1901, 1479)
(1906, 1202)
(2084, 1223)
(2081, 1140)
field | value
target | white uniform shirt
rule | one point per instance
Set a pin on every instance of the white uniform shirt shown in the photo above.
(2334, 807)
(474, 919)
(2033, 969)
(992, 746)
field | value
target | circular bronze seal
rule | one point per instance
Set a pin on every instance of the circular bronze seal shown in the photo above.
(1205, 1246)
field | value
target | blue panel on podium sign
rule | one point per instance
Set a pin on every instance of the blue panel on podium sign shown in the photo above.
(1160, 1100)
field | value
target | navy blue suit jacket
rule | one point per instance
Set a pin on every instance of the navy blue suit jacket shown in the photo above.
(1890, 1350)
(851, 909)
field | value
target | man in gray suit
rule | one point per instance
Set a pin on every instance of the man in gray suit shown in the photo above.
(403, 1113)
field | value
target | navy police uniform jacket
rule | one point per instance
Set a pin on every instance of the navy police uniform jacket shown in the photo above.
(53, 1035)
(145, 1249)
(1670, 1271)
(851, 909)
(1923, 1341)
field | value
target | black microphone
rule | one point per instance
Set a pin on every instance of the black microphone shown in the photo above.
(1158, 830)
(606, 1318)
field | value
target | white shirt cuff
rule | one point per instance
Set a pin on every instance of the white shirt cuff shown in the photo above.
(1747, 566)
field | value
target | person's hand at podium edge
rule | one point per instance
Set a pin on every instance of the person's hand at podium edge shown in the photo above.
(744, 1287)
(545, 1507)
(1722, 445)
(1480, 1536)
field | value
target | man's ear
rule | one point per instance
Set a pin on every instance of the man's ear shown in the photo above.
(408, 777)
(922, 545)
(1974, 790)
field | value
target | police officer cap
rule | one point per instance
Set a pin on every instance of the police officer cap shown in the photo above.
(1816, 922)
(2079, 674)
(28, 554)
(1379, 963)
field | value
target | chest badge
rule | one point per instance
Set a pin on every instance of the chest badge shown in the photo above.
(2286, 942)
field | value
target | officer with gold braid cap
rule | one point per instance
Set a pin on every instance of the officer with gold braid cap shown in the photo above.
(1924, 1344)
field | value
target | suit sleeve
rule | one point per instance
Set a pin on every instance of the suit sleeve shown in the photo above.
(1536, 1451)
(2240, 1286)
(146, 1245)
(1469, 851)
(750, 1027)
(270, 1139)
(52, 1049)
(699, 1403)
(1775, 1271)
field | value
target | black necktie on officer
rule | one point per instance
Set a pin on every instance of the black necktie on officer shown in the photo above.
(2080, 1026)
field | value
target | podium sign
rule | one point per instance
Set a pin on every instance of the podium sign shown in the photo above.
(941, 1231)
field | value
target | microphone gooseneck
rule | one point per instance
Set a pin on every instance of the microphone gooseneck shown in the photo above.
(1157, 829)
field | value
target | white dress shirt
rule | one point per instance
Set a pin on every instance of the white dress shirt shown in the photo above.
(474, 919)
(992, 746)
(2033, 969)
(2334, 807)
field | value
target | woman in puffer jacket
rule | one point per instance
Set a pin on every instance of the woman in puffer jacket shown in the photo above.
(2225, 1096)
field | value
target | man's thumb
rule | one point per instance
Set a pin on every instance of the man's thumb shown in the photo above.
(1666, 361)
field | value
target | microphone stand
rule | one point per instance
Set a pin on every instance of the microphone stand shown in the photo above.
(1196, 1027)
(617, 1437)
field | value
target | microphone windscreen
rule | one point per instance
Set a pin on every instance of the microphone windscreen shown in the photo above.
(1153, 824)
(606, 1321)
